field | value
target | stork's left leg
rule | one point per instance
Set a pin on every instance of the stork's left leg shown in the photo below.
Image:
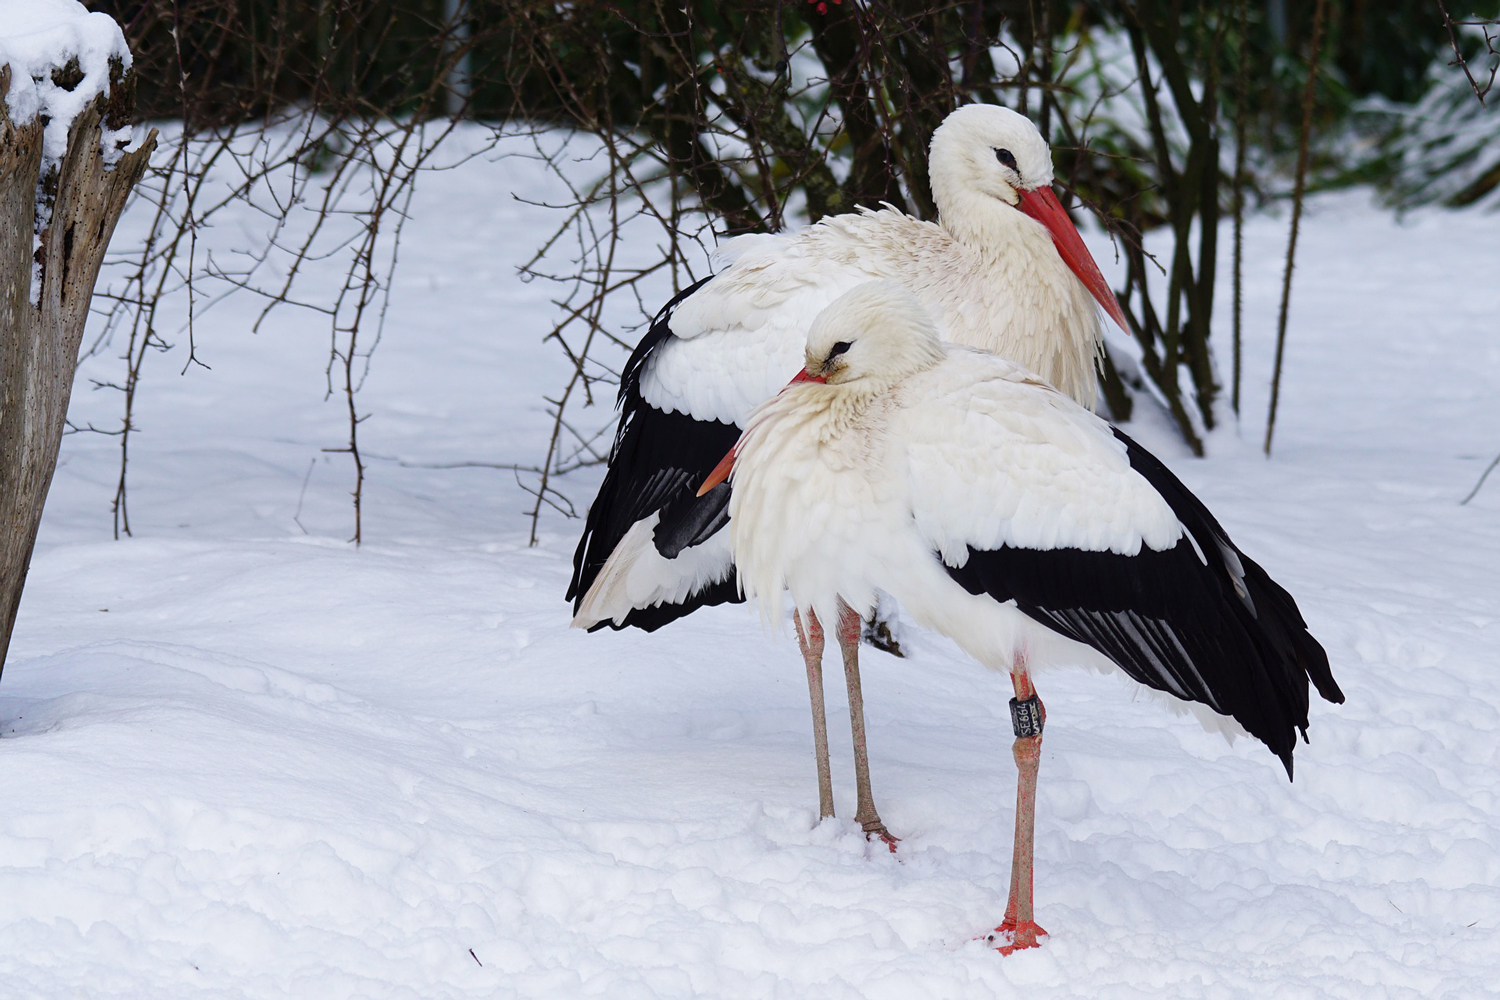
(1019, 929)
(810, 641)
(865, 814)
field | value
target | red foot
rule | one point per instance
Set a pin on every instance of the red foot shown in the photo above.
(884, 836)
(1011, 936)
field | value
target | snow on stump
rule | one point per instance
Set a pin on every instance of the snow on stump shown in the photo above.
(68, 97)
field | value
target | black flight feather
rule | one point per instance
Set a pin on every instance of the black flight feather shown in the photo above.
(657, 462)
(1215, 629)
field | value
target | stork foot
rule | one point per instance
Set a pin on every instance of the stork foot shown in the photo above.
(1012, 936)
(877, 830)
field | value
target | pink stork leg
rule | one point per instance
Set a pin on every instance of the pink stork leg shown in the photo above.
(1019, 930)
(810, 641)
(865, 814)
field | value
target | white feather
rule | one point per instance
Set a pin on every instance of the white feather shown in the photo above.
(996, 457)
(989, 275)
(636, 575)
(738, 339)
(846, 488)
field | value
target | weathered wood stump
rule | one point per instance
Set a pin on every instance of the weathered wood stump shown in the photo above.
(46, 284)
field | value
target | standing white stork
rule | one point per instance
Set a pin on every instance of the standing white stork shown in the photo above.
(1003, 270)
(1003, 514)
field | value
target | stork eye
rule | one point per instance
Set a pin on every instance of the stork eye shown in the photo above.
(1006, 158)
(838, 349)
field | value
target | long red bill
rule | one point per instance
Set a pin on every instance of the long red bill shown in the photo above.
(1043, 206)
(726, 464)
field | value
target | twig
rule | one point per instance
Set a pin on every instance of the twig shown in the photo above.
(302, 494)
(1299, 188)
(273, 167)
(1458, 56)
(1241, 121)
(1475, 491)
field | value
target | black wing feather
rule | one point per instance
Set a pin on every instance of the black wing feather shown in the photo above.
(657, 463)
(1288, 630)
(1194, 627)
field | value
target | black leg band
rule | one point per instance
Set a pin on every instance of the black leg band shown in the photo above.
(1026, 716)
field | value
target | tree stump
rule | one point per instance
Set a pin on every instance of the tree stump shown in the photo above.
(46, 285)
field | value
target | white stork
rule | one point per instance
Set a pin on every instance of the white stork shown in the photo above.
(1001, 513)
(1003, 270)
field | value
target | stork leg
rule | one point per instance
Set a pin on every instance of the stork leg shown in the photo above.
(1019, 929)
(865, 815)
(810, 641)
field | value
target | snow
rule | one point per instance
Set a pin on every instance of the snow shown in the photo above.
(1445, 148)
(38, 36)
(244, 758)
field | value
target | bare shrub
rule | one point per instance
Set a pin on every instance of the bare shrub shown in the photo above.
(709, 119)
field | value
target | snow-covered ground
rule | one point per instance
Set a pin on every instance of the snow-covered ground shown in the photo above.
(243, 758)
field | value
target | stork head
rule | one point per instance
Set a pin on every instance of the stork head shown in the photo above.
(864, 341)
(985, 155)
(873, 335)
(990, 150)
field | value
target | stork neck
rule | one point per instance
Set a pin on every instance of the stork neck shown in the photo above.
(1037, 311)
(990, 227)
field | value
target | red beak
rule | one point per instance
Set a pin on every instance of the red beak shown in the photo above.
(1043, 206)
(726, 464)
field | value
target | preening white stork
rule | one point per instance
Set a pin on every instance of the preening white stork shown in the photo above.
(1003, 270)
(1003, 514)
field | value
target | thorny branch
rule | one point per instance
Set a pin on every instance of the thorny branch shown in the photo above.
(1299, 189)
(333, 177)
(708, 127)
(666, 125)
(1490, 31)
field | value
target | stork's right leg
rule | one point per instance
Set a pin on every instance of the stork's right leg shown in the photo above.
(810, 641)
(1020, 929)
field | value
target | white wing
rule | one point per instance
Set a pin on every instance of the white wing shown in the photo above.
(997, 457)
(738, 339)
